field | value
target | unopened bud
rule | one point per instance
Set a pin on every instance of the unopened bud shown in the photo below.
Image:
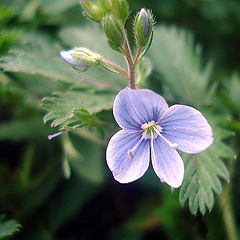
(120, 10)
(114, 33)
(143, 27)
(80, 57)
(93, 9)
(106, 5)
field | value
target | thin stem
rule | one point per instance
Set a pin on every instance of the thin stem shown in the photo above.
(130, 63)
(115, 66)
(137, 57)
(228, 216)
(227, 208)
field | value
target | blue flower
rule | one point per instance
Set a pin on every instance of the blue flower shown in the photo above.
(151, 129)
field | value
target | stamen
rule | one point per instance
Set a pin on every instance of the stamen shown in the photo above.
(57, 134)
(132, 151)
(61, 132)
(172, 145)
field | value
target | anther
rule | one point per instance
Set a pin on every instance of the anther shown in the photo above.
(57, 134)
(131, 151)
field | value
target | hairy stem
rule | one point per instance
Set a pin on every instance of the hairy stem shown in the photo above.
(130, 63)
(138, 56)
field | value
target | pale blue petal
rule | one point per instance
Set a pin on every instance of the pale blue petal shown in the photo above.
(67, 57)
(126, 168)
(187, 127)
(132, 108)
(167, 163)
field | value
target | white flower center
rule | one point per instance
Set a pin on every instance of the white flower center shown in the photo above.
(149, 130)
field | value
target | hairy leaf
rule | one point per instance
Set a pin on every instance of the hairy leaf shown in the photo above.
(178, 60)
(38, 56)
(8, 227)
(62, 107)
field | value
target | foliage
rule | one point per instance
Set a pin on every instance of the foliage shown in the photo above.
(62, 189)
(8, 227)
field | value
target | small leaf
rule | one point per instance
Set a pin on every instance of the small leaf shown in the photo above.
(63, 107)
(8, 227)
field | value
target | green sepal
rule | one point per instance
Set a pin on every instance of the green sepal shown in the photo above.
(87, 56)
(93, 10)
(143, 28)
(114, 32)
(120, 10)
(106, 5)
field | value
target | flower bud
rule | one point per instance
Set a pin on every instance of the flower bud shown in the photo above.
(114, 32)
(143, 28)
(120, 10)
(106, 5)
(93, 9)
(80, 57)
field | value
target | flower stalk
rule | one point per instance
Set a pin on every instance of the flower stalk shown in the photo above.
(130, 64)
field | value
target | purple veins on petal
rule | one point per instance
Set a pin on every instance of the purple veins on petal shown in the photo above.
(188, 128)
(167, 163)
(150, 126)
(128, 156)
(132, 108)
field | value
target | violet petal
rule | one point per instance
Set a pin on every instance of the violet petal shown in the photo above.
(187, 127)
(167, 163)
(128, 166)
(132, 108)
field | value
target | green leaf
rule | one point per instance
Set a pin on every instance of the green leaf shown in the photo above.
(8, 227)
(203, 172)
(63, 106)
(38, 55)
(178, 60)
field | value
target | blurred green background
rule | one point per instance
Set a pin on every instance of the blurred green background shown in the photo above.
(62, 189)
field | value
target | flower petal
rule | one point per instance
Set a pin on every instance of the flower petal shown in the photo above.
(167, 163)
(187, 127)
(132, 108)
(124, 166)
